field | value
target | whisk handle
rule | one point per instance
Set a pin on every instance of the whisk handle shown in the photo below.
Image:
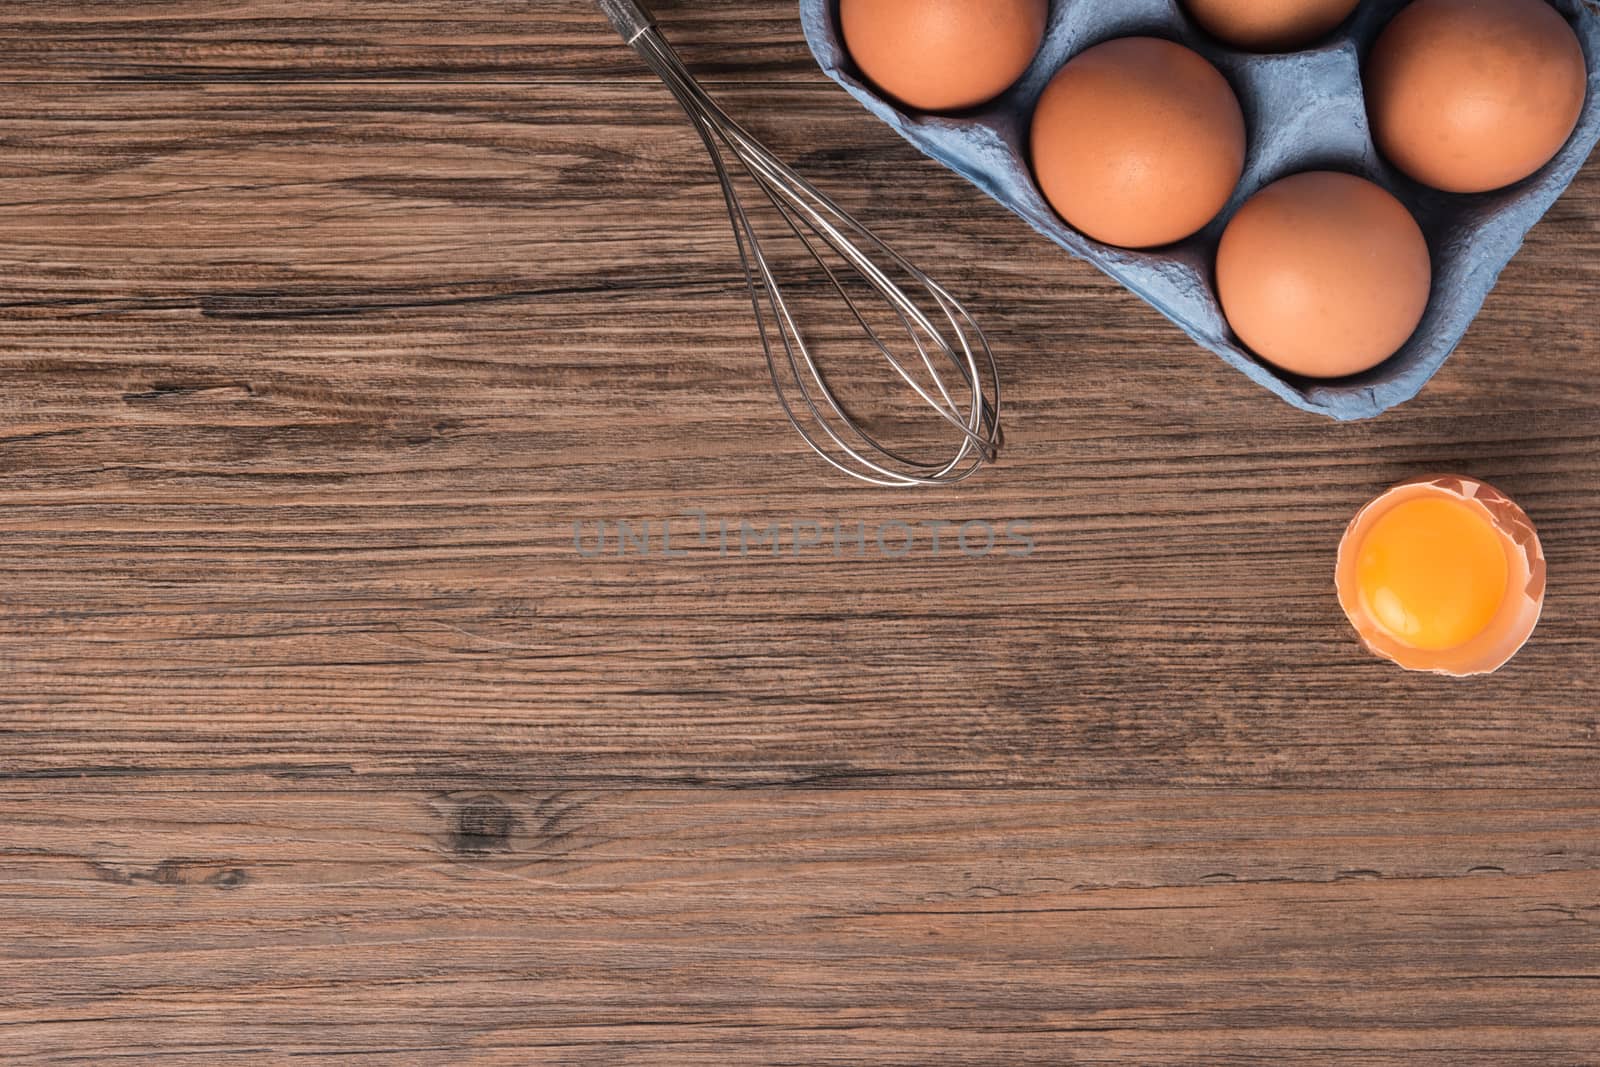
(631, 19)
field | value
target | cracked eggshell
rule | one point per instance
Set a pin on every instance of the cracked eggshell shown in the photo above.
(1518, 614)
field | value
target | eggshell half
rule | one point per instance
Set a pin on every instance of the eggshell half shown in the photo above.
(1519, 613)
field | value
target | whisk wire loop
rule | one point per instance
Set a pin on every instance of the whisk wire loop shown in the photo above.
(970, 407)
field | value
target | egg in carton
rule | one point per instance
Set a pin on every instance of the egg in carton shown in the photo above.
(1304, 111)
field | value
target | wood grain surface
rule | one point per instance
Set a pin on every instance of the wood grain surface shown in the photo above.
(323, 323)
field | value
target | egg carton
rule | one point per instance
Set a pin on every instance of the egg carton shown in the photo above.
(1304, 111)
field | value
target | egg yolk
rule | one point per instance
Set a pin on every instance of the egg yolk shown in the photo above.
(1432, 573)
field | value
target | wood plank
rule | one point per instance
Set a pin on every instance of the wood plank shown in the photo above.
(322, 324)
(803, 926)
(307, 391)
(127, 41)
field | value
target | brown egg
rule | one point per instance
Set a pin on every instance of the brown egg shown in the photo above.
(943, 55)
(1138, 142)
(1324, 274)
(1473, 95)
(1442, 574)
(1269, 25)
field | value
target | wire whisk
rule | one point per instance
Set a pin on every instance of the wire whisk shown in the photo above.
(947, 363)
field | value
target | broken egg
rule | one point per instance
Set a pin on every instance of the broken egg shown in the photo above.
(1442, 574)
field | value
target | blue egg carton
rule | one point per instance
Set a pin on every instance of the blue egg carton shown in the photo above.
(1304, 111)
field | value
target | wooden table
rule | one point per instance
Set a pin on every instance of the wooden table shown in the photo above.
(324, 323)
